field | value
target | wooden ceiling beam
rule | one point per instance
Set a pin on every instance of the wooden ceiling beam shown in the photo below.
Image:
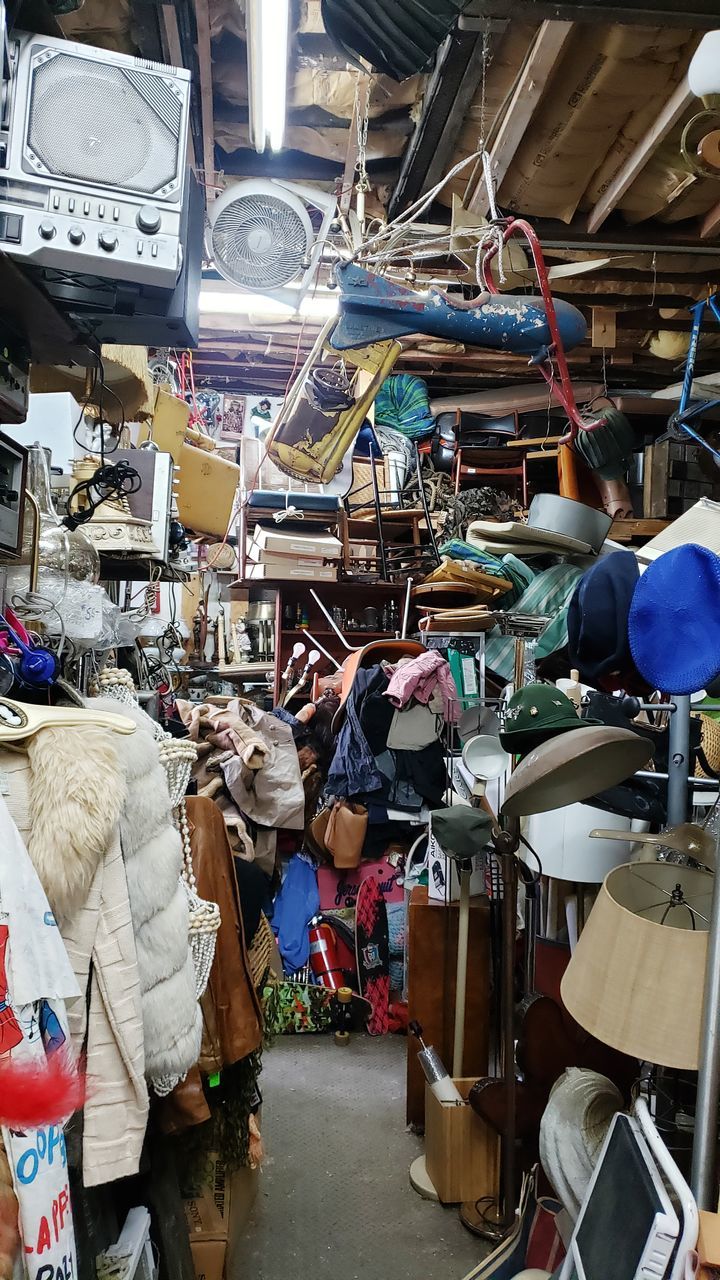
(541, 61)
(290, 164)
(450, 91)
(671, 114)
(202, 19)
(710, 225)
(700, 15)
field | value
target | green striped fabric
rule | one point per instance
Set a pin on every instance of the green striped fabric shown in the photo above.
(548, 594)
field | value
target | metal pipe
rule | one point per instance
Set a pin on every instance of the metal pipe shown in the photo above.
(464, 874)
(704, 1156)
(509, 924)
(350, 648)
(710, 783)
(318, 645)
(406, 610)
(678, 761)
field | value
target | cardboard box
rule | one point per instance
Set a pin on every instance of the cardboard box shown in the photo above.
(708, 1245)
(462, 1153)
(208, 1258)
(293, 570)
(258, 556)
(322, 546)
(208, 1220)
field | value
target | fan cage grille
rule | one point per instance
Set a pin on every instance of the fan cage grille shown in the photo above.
(260, 242)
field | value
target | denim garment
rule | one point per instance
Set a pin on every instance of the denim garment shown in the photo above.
(353, 771)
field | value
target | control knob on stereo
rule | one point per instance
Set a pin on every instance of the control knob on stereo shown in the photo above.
(107, 241)
(47, 230)
(148, 219)
(76, 235)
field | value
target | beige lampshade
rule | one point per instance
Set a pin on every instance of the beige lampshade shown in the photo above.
(126, 374)
(572, 767)
(636, 983)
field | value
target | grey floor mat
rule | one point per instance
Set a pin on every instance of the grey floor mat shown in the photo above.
(334, 1196)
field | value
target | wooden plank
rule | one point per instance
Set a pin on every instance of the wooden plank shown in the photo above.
(351, 156)
(655, 480)
(604, 327)
(710, 225)
(531, 441)
(699, 15)
(672, 112)
(629, 530)
(547, 48)
(446, 102)
(202, 18)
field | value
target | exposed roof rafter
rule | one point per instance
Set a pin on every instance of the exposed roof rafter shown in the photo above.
(542, 58)
(671, 114)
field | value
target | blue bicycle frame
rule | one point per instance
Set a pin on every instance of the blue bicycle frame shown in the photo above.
(688, 412)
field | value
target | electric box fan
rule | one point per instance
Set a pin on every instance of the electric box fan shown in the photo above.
(266, 235)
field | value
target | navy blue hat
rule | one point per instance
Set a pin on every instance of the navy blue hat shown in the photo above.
(674, 622)
(598, 619)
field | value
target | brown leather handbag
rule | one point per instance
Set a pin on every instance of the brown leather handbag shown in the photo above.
(315, 834)
(345, 833)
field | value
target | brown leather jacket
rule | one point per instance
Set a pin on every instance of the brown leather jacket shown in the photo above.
(232, 1019)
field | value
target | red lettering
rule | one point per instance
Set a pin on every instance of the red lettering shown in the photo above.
(63, 1205)
(44, 1241)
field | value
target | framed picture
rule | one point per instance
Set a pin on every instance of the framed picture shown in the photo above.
(233, 422)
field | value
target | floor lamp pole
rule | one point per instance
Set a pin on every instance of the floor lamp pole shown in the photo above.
(505, 846)
(705, 1141)
(464, 874)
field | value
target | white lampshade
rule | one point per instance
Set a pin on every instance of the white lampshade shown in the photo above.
(704, 70)
(561, 839)
(484, 758)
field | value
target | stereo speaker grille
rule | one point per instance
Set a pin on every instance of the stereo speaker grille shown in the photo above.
(102, 124)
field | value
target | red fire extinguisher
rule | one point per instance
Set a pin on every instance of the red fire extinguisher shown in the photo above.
(324, 959)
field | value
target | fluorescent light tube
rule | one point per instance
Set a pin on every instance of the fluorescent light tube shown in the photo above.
(268, 24)
(217, 302)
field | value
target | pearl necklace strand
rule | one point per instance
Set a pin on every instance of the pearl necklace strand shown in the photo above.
(177, 755)
(204, 916)
(116, 683)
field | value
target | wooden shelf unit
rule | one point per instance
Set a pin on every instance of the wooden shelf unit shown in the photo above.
(333, 594)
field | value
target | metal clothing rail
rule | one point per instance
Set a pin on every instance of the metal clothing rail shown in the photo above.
(705, 1141)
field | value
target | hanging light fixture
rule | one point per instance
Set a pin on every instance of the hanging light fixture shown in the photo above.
(268, 23)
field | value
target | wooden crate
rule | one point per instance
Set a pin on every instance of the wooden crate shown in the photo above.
(462, 1153)
(673, 480)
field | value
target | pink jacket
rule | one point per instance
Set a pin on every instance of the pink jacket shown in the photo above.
(419, 678)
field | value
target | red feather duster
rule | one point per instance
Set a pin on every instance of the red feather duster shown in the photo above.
(32, 1094)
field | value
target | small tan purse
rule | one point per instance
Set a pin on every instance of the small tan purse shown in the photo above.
(345, 833)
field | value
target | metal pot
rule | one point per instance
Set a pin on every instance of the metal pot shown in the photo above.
(573, 519)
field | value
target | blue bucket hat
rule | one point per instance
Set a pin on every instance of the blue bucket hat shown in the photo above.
(674, 622)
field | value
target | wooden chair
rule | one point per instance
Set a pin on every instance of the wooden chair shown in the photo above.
(479, 451)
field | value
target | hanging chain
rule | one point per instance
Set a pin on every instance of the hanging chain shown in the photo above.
(362, 121)
(485, 56)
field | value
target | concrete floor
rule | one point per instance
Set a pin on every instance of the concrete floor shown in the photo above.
(334, 1197)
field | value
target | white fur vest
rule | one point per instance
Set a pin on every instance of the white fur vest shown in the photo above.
(152, 850)
(75, 793)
